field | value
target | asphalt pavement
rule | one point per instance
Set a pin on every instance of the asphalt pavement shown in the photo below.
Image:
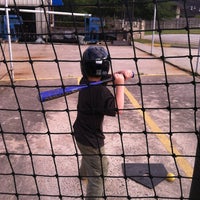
(181, 50)
(37, 136)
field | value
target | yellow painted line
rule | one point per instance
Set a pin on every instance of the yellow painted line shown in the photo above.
(182, 162)
(38, 79)
(78, 80)
(6, 78)
(175, 74)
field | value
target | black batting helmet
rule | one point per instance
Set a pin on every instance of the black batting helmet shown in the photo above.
(95, 62)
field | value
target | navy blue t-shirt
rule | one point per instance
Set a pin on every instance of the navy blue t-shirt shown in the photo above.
(93, 103)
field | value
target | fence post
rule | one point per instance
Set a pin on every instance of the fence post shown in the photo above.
(197, 64)
(154, 27)
(195, 186)
(9, 41)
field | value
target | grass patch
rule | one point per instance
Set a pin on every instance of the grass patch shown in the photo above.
(146, 41)
(182, 31)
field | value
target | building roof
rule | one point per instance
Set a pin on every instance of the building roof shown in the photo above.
(32, 2)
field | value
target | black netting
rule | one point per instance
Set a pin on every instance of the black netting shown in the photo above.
(158, 130)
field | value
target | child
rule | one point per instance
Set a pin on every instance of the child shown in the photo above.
(93, 103)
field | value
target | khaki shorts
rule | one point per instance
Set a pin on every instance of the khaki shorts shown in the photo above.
(94, 167)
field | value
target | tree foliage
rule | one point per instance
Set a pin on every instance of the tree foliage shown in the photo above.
(144, 9)
(94, 7)
(136, 9)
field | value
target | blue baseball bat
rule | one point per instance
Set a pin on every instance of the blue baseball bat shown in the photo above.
(59, 92)
(56, 93)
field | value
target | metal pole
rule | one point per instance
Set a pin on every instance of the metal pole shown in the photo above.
(197, 64)
(50, 12)
(154, 27)
(9, 41)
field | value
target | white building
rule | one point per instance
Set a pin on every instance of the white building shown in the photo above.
(32, 13)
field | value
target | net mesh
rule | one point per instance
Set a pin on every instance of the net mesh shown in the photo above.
(38, 153)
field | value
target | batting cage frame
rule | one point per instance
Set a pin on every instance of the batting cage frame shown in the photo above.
(152, 147)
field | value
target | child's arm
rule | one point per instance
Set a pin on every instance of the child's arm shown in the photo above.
(119, 83)
(119, 79)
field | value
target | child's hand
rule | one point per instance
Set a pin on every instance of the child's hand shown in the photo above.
(126, 73)
(118, 78)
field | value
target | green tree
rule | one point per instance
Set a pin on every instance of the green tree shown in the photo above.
(94, 7)
(144, 9)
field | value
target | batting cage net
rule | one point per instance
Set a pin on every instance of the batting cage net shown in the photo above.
(152, 147)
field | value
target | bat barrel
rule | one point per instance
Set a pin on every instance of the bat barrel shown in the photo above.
(56, 93)
(51, 94)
